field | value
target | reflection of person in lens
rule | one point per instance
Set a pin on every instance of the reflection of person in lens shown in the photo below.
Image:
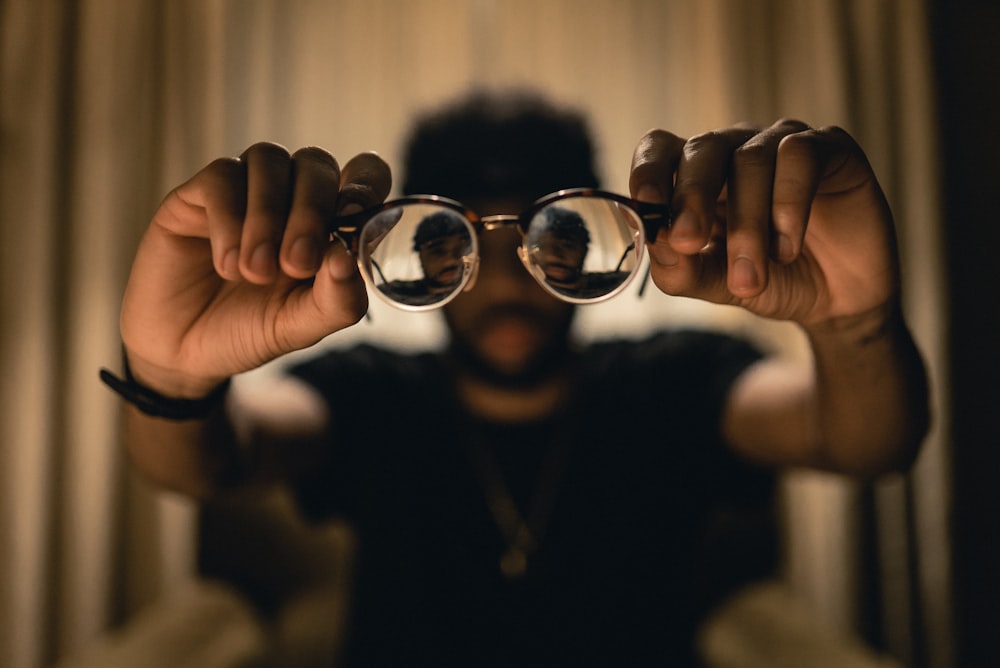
(558, 244)
(441, 242)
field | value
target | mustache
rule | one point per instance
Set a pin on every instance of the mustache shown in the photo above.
(452, 268)
(498, 313)
(561, 265)
(546, 362)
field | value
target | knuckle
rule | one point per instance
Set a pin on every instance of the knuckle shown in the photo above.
(318, 156)
(267, 158)
(752, 154)
(705, 141)
(221, 183)
(654, 159)
(654, 144)
(790, 125)
(835, 134)
(834, 130)
(662, 137)
(802, 145)
(798, 142)
(267, 153)
(223, 170)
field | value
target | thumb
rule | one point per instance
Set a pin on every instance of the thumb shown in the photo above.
(336, 299)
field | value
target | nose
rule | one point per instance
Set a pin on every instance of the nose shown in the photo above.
(501, 276)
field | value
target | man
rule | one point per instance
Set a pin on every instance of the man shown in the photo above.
(440, 244)
(558, 243)
(519, 499)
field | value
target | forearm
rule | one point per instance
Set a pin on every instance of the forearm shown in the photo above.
(176, 429)
(250, 438)
(858, 407)
(194, 457)
(870, 395)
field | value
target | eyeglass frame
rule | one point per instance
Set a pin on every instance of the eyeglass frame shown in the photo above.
(348, 230)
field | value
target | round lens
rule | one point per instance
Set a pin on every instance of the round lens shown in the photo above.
(417, 255)
(584, 248)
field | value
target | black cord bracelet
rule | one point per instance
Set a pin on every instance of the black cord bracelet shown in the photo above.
(155, 404)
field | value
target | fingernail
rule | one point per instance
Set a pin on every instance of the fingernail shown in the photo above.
(262, 259)
(784, 248)
(349, 208)
(744, 274)
(231, 263)
(684, 226)
(305, 254)
(649, 193)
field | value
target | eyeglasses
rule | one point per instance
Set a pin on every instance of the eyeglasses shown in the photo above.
(581, 245)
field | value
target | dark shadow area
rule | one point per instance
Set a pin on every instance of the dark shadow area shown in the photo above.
(968, 63)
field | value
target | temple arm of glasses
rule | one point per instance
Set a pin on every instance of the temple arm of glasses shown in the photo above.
(346, 228)
(654, 217)
(621, 260)
(378, 269)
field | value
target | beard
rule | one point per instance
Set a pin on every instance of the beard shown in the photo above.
(548, 360)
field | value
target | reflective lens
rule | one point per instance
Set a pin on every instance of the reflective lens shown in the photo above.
(581, 245)
(418, 254)
(583, 248)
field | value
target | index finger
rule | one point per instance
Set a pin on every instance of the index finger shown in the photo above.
(364, 182)
(314, 200)
(654, 163)
(701, 175)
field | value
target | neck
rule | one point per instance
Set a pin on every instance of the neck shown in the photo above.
(503, 404)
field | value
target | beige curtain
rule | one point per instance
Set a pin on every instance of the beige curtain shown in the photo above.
(105, 104)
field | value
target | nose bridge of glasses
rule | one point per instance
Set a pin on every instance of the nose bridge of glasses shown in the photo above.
(500, 221)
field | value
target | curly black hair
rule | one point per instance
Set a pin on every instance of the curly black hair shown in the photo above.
(499, 144)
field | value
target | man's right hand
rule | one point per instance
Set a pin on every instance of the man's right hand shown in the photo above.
(237, 268)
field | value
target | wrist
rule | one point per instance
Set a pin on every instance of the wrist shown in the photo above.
(189, 402)
(167, 381)
(878, 324)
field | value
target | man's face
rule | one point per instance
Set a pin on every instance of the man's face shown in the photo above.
(561, 258)
(441, 260)
(507, 329)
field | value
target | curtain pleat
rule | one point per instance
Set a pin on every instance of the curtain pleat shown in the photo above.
(105, 105)
(35, 86)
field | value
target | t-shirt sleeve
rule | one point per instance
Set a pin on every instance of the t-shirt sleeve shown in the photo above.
(693, 373)
(368, 391)
(686, 371)
(677, 383)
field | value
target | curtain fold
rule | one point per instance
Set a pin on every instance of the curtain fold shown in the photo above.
(79, 170)
(33, 192)
(105, 105)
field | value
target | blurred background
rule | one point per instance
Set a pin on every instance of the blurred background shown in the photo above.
(107, 104)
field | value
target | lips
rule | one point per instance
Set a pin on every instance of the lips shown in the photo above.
(511, 330)
(560, 272)
(520, 313)
(510, 341)
(447, 276)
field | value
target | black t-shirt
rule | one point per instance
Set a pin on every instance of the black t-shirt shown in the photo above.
(653, 519)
